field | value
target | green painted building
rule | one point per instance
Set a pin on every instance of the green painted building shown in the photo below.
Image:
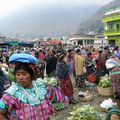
(111, 22)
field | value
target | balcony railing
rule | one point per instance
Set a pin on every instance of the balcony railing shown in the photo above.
(111, 32)
(111, 18)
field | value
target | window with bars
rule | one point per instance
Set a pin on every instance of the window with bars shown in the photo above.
(118, 26)
(111, 26)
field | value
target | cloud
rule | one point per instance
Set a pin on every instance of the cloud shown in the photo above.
(71, 3)
(84, 2)
(9, 6)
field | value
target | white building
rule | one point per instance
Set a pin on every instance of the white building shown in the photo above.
(99, 41)
(86, 40)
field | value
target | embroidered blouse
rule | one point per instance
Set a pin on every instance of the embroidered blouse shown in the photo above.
(26, 104)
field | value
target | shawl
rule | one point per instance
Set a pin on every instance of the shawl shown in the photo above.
(62, 70)
(112, 111)
(115, 76)
(26, 95)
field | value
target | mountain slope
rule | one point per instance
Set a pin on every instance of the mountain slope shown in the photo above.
(52, 21)
(94, 23)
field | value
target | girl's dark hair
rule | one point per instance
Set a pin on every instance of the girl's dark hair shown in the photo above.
(78, 50)
(61, 55)
(24, 66)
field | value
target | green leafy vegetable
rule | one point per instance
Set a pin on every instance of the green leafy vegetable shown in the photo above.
(49, 81)
(84, 113)
(105, 82)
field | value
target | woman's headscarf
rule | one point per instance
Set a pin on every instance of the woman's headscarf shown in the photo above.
(23, 58)
(23, 61)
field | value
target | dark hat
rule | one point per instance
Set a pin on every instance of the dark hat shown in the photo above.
(77, 50)
(69, 50)
(106, 47)
(61, 54)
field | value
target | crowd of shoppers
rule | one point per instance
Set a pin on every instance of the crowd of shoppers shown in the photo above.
(24, 65)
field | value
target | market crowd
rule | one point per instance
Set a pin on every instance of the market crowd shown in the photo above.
(36, 82)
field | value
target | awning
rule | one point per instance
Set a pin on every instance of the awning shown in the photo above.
(52, 42)
(14, 43)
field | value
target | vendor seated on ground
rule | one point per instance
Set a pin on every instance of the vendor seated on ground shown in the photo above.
(114, 113)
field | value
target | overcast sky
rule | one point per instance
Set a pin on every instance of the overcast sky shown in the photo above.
(9, 6)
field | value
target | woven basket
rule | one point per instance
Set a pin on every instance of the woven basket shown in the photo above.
(105, 91)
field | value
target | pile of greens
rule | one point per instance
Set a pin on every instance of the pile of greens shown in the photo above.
(58, 106)
(85, 112)
(49, 81)
(105, 82)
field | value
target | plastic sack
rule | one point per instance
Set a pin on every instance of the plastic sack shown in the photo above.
(107, 103)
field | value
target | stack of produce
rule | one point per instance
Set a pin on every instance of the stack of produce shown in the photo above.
(52, 81)
(105, 86)
(58, 106)
(85, 112)
(105, 82)
(92, 78)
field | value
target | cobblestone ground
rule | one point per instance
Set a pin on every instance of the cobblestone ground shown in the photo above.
(63, 114)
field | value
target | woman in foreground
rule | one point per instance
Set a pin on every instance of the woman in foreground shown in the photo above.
(26, 99)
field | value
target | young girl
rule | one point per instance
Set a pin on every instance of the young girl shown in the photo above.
(62, 72)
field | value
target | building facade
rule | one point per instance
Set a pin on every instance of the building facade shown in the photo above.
(86, 40)
(99, 41)
(111, 22)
